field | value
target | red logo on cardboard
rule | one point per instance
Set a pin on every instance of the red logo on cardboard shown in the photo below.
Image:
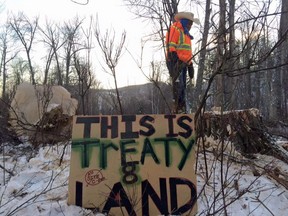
(94, 177)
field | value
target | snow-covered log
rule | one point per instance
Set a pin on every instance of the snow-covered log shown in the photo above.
(43, 113)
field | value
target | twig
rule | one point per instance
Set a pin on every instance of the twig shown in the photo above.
(260, 201)
(6, 170)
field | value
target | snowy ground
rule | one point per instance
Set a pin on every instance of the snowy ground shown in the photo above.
(37, 183)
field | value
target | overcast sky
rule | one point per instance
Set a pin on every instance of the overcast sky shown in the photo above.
(111, 14)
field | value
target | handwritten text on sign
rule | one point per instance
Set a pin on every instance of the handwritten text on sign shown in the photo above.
(140, 163)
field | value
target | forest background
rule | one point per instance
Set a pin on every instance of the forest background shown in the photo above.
(240, 55)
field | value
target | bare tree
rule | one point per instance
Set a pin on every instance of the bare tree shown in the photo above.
(111, 54)
(19, 67)
(25, 30)
(156, 92)
(7, 54)
(51, 38)
(229, 96)
(221, 52)
(85, 80)
(71, 33)
(202, 57)
(84, 71)
(161, 14)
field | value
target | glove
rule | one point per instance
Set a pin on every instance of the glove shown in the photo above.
(190, 71)
(173, 57)
(173, 64)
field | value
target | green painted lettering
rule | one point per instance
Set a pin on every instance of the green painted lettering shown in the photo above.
(85, 146)
(124, 150)
(103, 153)
(186, 152)
(148, 149)
(166, 142)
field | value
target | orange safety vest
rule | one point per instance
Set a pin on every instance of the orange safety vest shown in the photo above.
(180, 42)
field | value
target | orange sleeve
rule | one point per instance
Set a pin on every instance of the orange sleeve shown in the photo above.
(173, 34)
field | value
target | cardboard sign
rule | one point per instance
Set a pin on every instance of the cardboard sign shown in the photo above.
(134, 164)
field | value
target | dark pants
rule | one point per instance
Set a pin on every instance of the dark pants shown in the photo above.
(182, 89)
(178, 74)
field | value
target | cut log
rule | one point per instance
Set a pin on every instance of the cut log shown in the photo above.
(244, 128)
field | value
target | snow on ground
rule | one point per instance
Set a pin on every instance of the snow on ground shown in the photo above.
(37, 183)
(248, 194)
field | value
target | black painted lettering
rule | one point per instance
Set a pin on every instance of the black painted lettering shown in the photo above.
(79, 194)
(144, 121)
(186, 127)
(129, 133)
(170, 125)
(129, 171)
(160, 202)
(87, 121)
(119, 199)
(173, 182)
(113, 127)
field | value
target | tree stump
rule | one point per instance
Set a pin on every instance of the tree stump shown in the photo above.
(244, 128)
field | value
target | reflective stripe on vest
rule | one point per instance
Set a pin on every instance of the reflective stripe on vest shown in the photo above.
(181, 45)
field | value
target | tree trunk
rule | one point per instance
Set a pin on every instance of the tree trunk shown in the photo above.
(203, 51)
(277, 110)
(221, 49)
(282, 79)
(230, 82)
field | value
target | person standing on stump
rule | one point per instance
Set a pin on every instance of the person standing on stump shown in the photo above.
(179, 57)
